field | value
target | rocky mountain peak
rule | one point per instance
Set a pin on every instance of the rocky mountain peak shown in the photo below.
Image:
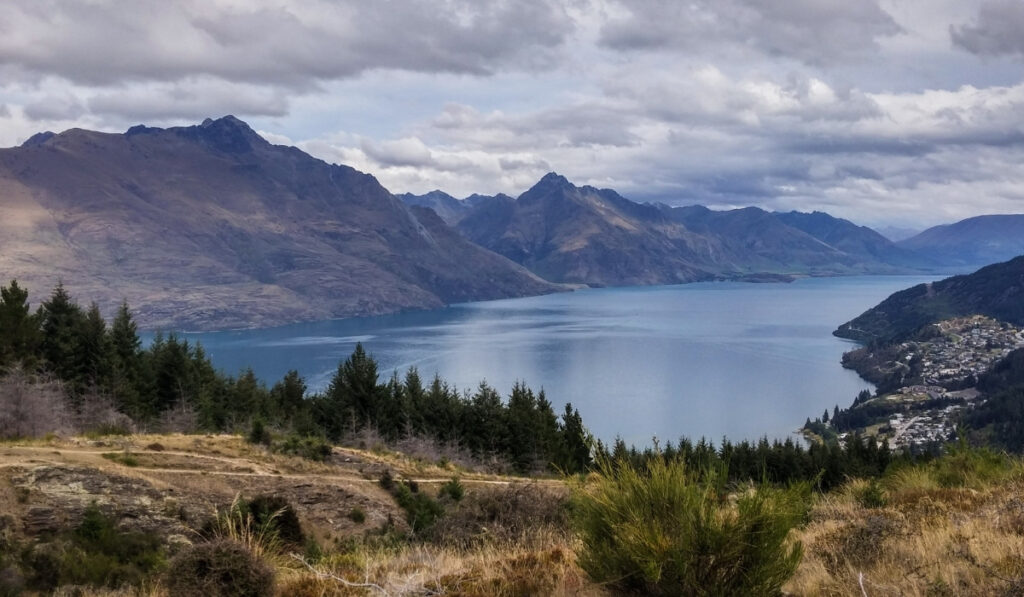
(227, 134)
(38, 139)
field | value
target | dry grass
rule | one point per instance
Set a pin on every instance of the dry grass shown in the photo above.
(542, 565)
(953, 528)
(927, 540)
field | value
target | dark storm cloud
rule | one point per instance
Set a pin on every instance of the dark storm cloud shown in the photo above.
(298, 44)
(998, 29)
(806, 30)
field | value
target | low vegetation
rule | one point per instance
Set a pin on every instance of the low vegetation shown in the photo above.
(756, 518)
(96, 553)
(669, 530)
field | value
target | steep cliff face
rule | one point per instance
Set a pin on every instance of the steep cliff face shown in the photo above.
(210, 226)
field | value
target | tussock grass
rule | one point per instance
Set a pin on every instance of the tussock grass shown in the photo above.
(667, 530)
(952, 526)
(543, 564)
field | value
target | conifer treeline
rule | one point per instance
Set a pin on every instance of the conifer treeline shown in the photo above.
(78, 347)
(89, 357)
(828, 464)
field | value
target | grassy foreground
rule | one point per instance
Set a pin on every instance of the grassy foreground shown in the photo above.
(953, 526)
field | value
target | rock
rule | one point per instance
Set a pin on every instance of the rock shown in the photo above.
(41, 520)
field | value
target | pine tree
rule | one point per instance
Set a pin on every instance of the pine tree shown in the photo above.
(92, 359)
(249, 397)
(576, 441)
(126, 362)
(353, 391)
(62, 324)
(522, 427)
(414, 405)
(484, 426)
(19, 329)
(547, 430)
(288, 395)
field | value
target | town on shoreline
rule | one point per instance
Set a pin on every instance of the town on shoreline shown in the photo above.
(924, 384)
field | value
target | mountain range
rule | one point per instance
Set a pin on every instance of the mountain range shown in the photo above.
(586, 235)
(211, 227)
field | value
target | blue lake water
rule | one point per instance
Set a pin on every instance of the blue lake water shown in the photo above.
(710, 359)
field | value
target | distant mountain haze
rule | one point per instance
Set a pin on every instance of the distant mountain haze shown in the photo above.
(450, 209)
(972, 242)
(211, 226)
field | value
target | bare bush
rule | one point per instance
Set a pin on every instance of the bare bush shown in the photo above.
(180, 418)
(367, 438)
(31, 407)
(97, 414)
(434, 450)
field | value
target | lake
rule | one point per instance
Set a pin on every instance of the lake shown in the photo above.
(711, 359)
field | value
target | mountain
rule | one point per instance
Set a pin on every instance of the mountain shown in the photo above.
(897, 233)
(972, 242)
(754, 239)
(595, 236)
(995, 290)
(586, 235)
(211, 226)
(860, 242)
(450, 209)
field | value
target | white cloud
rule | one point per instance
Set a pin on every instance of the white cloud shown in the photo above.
(872, 110)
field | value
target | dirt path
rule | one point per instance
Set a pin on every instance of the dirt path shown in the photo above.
(20, 456)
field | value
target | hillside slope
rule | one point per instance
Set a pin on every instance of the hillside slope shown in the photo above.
(585, 235)
(210, 226)
(566, 233)
(995, 290)
(972, 242)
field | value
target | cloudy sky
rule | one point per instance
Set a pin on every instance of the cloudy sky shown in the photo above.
(903, 112)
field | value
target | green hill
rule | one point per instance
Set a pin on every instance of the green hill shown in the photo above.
(995, 290)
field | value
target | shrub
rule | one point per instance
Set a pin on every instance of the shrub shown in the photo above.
(453, 489)
(123, 458)
(357, 515)
(277, 514)
(665, 530)
(258, 433)
(309, 447)
(871, 495)
(264, 524)
(219, 568)
(502, 515)
(974, 468)
(95, 553)
(421, 512)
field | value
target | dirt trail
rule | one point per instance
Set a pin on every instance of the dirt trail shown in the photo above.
(21, 456)
(170, 483)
